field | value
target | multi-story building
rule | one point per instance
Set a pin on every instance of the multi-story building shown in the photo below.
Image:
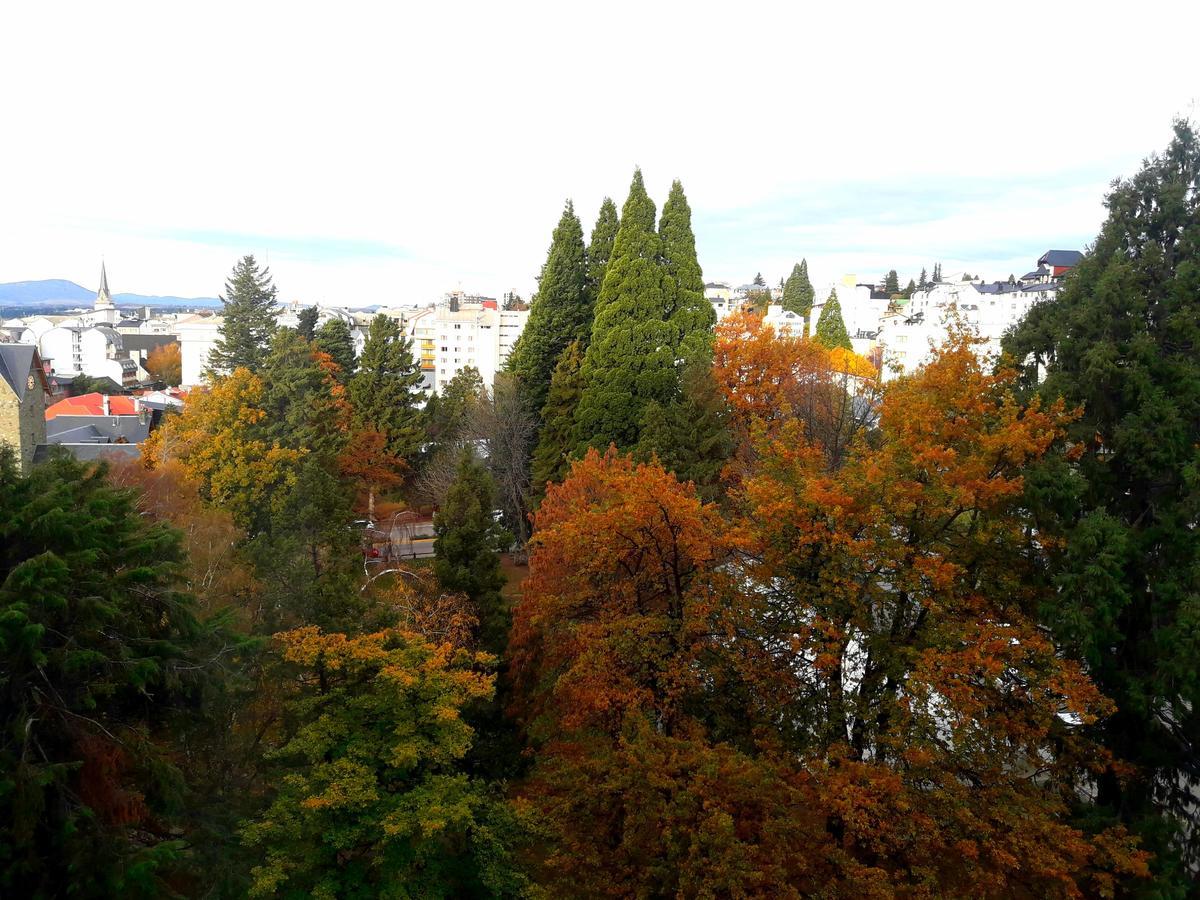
(909, 335)
(469, 331)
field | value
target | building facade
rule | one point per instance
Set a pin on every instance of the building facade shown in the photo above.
(23, 391)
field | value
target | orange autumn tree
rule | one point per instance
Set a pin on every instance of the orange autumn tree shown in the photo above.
(370, 465)
(625, 683)
(165, 363)
(934, 719)
(769, 379)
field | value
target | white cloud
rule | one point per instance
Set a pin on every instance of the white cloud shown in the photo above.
(455, 131)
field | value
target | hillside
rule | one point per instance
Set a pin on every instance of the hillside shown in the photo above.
(56, 292)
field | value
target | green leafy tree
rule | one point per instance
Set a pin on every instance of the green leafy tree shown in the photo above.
(631, 358)
(1120, 340)
(468, 545)
(891, 284)
(334, 338)
(831, 328)
(604, 234)
(798, 290)
(385, 393)
(249, 319)
(371, 799)
(101, 655)
(556, 440)
(307, 326)
(689, 314)
(561, 311)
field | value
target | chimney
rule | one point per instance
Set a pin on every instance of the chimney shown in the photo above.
(104, 401)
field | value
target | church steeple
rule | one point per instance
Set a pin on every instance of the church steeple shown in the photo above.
(103, 297)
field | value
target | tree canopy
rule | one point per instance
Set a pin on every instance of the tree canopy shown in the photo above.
(248, 319)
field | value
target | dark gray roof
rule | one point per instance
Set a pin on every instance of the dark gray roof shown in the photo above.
(147, 341)
(86, 452)
(82, 434)
(15, 362)
(1036, 273)
(110, 428)
(1060, 258)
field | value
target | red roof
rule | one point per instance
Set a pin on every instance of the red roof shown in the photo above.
(91, 405)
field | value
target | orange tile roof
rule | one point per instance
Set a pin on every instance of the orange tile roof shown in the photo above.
(91, 405)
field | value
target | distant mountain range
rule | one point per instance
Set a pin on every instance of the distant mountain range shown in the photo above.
(58, 292)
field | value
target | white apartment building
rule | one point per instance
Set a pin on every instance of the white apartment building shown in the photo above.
(908, 335)
(467, 331)
(97, 352)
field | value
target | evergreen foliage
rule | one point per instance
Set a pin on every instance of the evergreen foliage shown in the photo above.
(891, 284)
(468, 545)
(385, 393)
(307, 326)
(599, 251)
(923, 283)
(561, 310)
(759, 281)
(831, 328)
(101, 652)
(301, 411)
(798, 292)
(908, 291)
(1121, 340)
(689, 314)
(249, 319)
(690, 437)
(334, 338)
(631, 358)
(556, 440)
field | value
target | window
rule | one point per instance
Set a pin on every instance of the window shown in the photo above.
(456, 325)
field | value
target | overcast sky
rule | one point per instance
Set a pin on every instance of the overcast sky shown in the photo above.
(377, 154)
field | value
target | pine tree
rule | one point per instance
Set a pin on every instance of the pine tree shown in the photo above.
(891, 284)
(468, 545)
(307, 325)
(631, 359)
(249, 319)
(831, 327)
(759, 281)
(556, 441)
(599, 252)
(1121, 340)
(334, 338)
(301, 410)
(385, 393)
(689, 314)
(924, 282)
(908, 291)
(937, 273)
(798, 291)
(560, 312)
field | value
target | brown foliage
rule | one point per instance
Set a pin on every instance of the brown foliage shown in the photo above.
(165, 363)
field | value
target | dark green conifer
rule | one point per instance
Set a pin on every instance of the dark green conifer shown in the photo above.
(631, 358)
(831, 327)
(249, 319)
(334, 338)
(556, 441)
(604, 234)
(689, 314)
(385, 393)
(891, 284)
(561, 310)
(798, 294)
(1122, 340)
(307, 326)
(468, 545)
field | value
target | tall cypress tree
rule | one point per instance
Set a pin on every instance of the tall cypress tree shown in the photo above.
(604, 234)
(798, 290)
(1121, 340)
(831, 327)
(556, 441)
(924, 282)
(385, 393)
(560, 313)
(249, 319)
(690, 316)
(631, 359)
